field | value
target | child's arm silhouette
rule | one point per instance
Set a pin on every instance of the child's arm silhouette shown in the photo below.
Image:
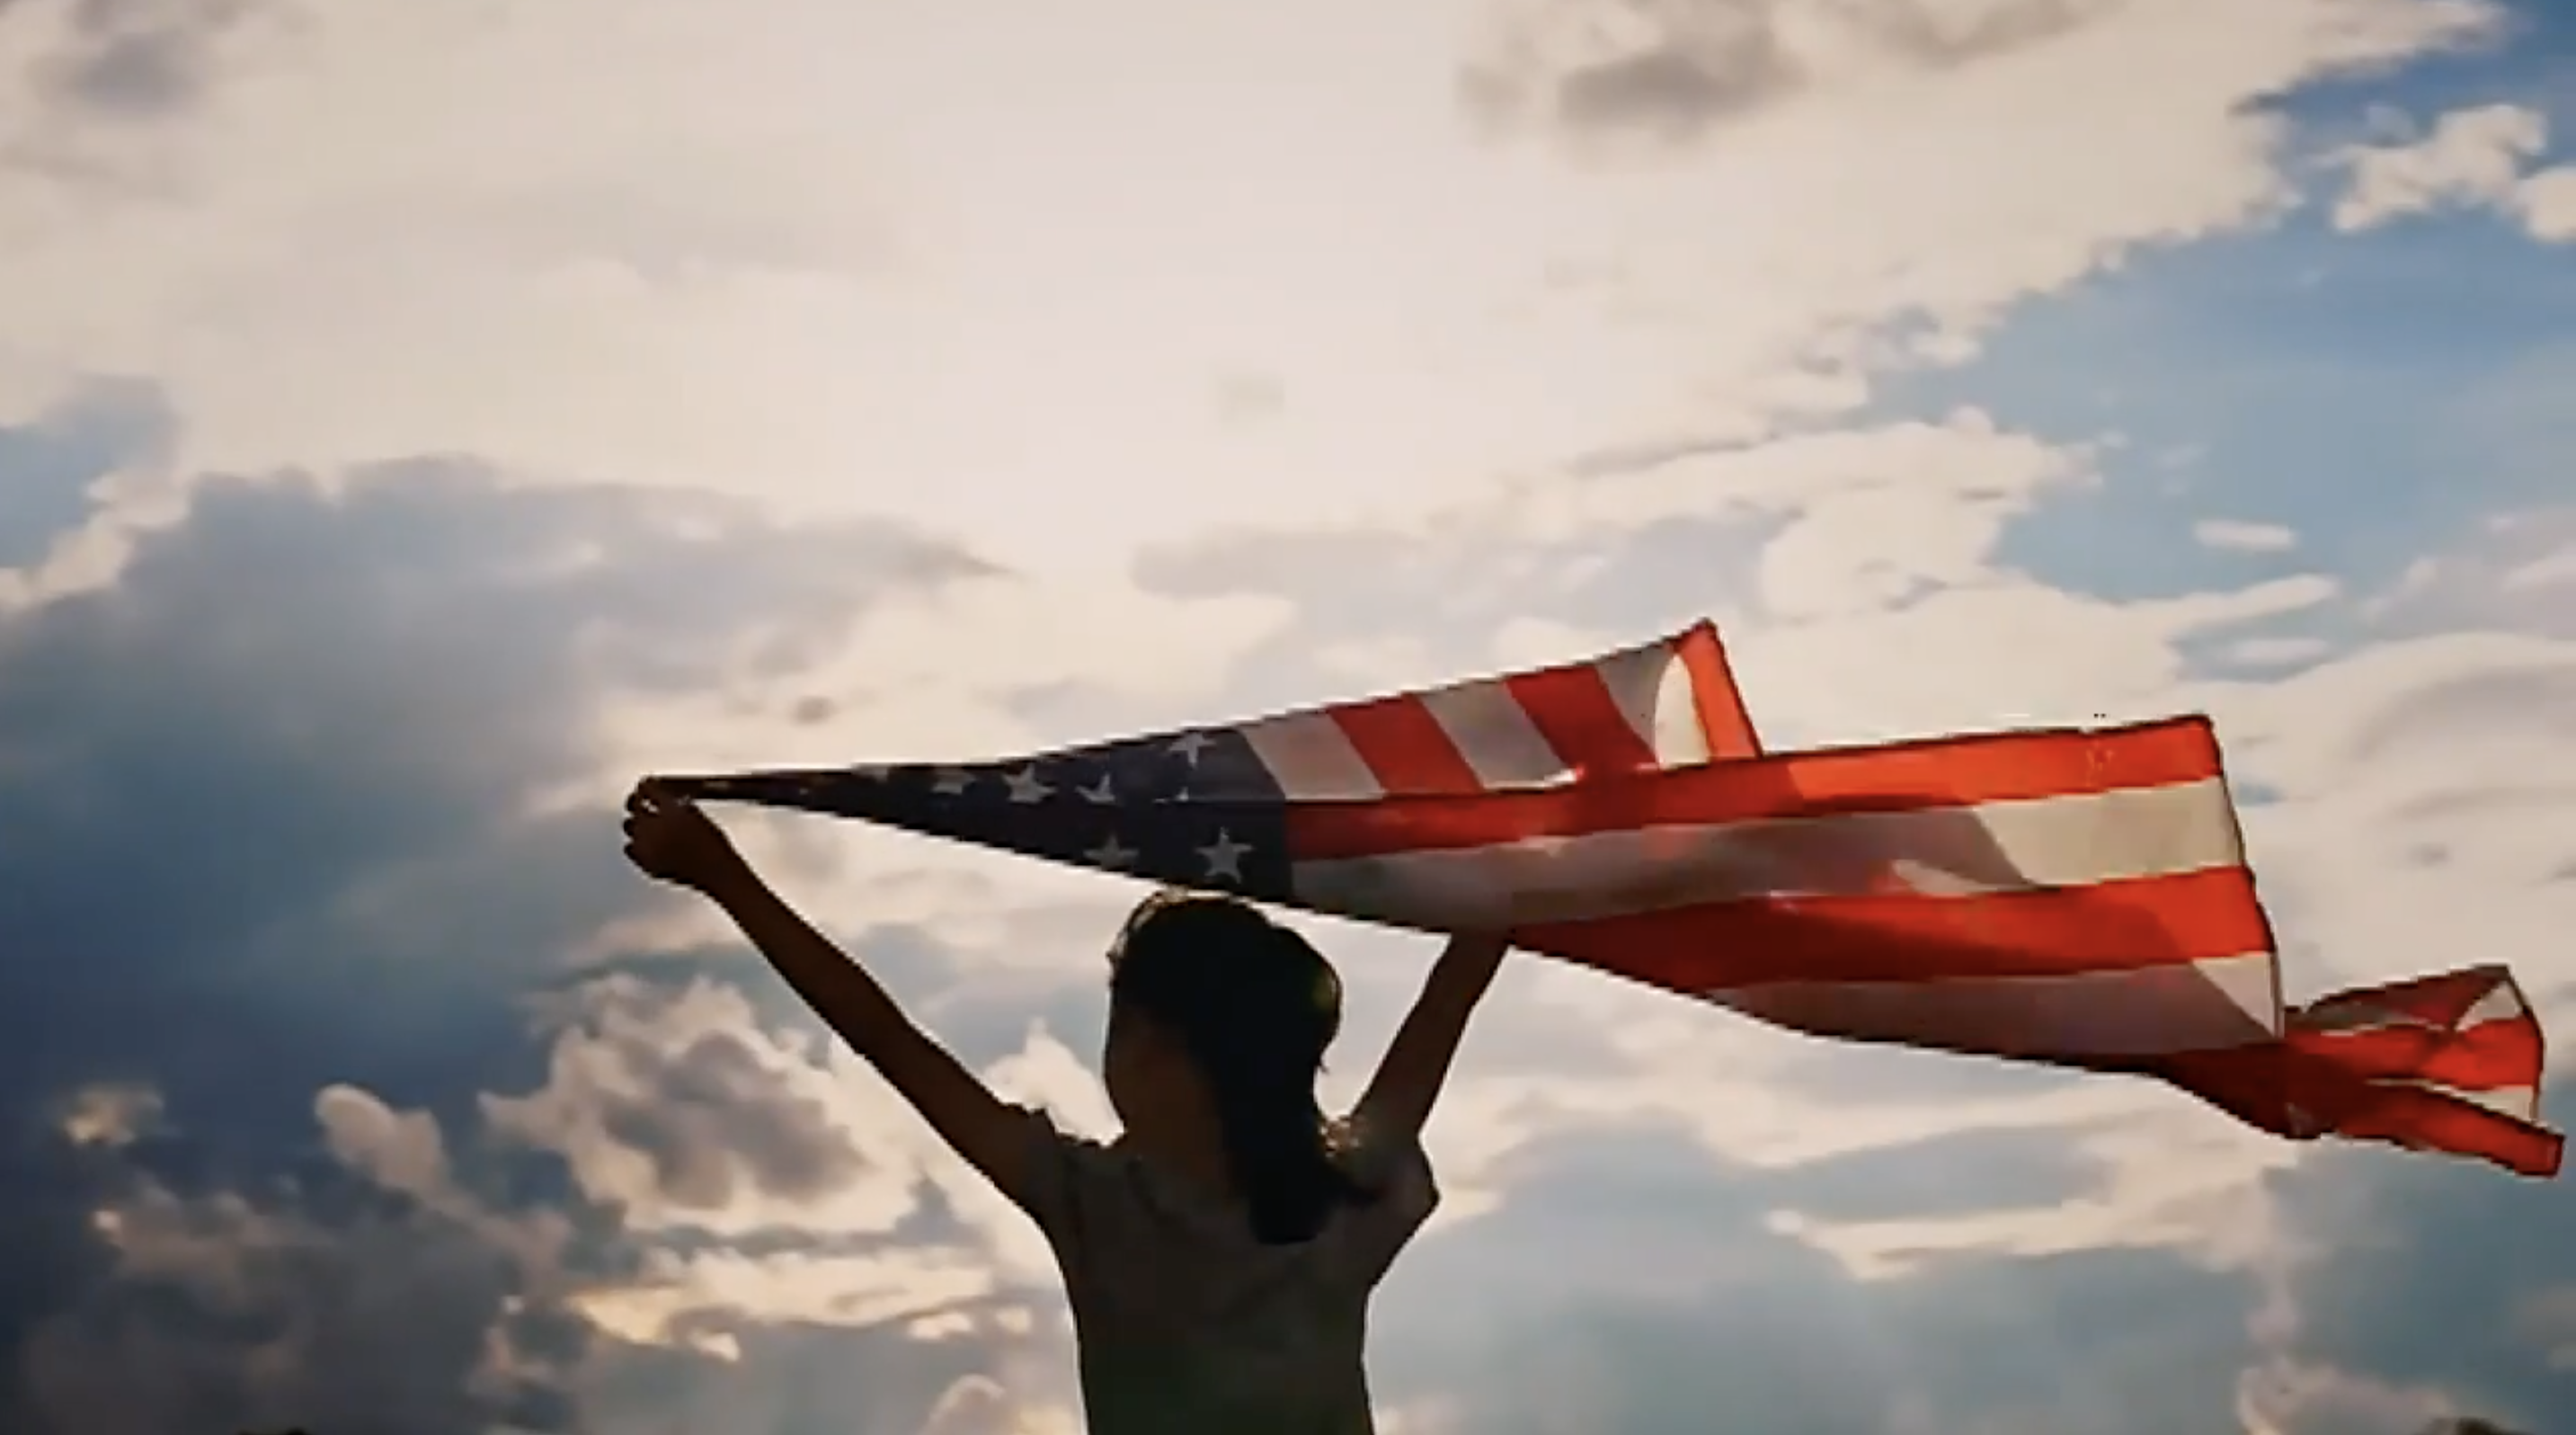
(1409, 1077)
(670, 839)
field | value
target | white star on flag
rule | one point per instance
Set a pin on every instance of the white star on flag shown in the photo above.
(1025, 787)
(1225, 857)
(1099, 792)
(1110, 854)
(951, 781)
(1189, 745)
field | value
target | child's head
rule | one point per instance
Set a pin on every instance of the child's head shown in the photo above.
(1212, 1001)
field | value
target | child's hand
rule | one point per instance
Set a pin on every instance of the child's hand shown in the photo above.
(669, 839)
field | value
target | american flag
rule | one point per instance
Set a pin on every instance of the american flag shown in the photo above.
(2074, 897)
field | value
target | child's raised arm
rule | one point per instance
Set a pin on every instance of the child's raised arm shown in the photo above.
(669, 838)
(1408, 1080)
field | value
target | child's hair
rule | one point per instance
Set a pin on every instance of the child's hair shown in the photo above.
(1254, 1005)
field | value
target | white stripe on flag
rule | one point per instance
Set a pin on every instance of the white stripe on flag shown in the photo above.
(1493, 732)
(1651, 689)
(1310, 757)
(2204, 1006)
(2501, 1003)
(2347, 1014)
(2075, 840)
(1679, 738)
(2522, 1103)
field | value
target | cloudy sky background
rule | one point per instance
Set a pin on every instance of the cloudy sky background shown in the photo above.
(416, 420)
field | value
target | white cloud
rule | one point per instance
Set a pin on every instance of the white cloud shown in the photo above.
(682, 1111)
(2511, 573)
(2548, 571)
(2276, 652)
(400, 1151)
(2003, 652)
(673, 1292)
(2468, 156)
(2289, 1398)
(976, 1405)
(2417, 829)
(111, 1114)
(2547, 1322)
(982, 270)
(933, 675)
(1983, 472)
(2480, 157)
(2548, 202)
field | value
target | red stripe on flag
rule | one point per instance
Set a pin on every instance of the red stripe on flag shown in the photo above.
(2288, 1093)
(2437, 1000)
(2429, 1120)
(1405, 747)
(1573, 709)
(2389, 1083)
(2109, 926)
(2490, 1056)
(1903, 777)
(1723, 719)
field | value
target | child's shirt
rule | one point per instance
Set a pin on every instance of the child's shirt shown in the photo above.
(1189, 1325)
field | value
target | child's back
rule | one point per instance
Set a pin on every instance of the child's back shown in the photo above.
(1187, 1322)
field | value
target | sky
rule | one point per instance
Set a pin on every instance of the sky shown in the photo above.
(416, 421)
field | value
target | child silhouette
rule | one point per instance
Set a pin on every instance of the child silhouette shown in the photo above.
(1219, 1255)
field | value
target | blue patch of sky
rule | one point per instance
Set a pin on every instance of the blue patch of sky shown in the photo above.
(2378, 393)
(2534, 57)
(48, 465)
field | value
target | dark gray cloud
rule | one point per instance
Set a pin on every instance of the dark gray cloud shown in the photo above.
(1688, 81)
(1955, 1174)
(691, 1094)
(2440, 1274)
(715, 1099)
(1940, 35)
(1695, 64)
(368, 1317)
(1689, 66)
(303, 724)
(1631, 1286)
(135, 59)
(266, 830)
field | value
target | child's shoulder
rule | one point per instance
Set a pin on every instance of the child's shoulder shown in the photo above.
(1377, 1157)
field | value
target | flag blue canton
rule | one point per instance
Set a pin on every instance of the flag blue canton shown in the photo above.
(1195, 809)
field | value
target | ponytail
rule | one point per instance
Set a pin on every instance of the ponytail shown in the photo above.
(1254, 1005)
(1278, 1151)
